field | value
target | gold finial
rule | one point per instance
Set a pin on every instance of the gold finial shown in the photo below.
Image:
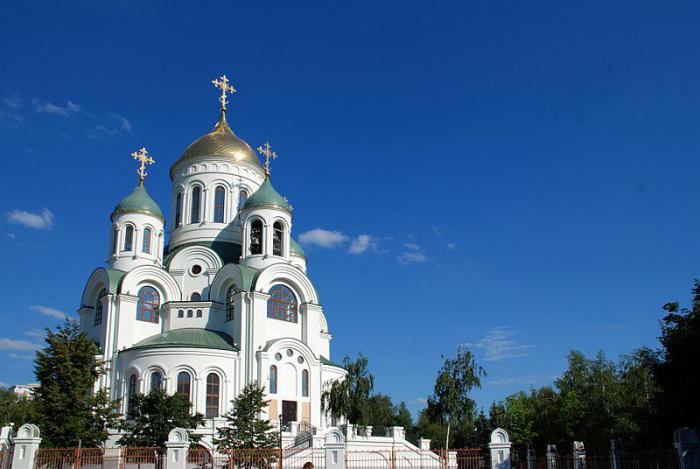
(222, 83)
(266, 151)
(142, 156)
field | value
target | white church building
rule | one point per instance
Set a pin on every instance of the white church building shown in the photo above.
(220, 302)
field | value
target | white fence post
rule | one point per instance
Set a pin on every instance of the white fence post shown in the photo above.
(177, 445)
(686, 442)
(26, 443)
(335, 449)
(499, 449)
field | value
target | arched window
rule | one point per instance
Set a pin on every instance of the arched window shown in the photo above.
(305, 383)
(113, 241)
(133, 390)
(156, 381)
(129, 238)
(282, 304)
(195, 205)
(277, 237)
(273, 379)
(231, 302)
(98, 309)
(256, 237)
(196, 297)
(242, 198)
(178, 210)
(219, 202)
(212, 405)
(183, 384)
(149, 305)
(147, 234)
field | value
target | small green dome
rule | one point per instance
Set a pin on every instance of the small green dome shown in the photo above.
(295, 248)
(267, 196)
(139, 202)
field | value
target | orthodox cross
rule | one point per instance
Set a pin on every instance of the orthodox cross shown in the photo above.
(142, 156)
(222, 84)
(266, 151)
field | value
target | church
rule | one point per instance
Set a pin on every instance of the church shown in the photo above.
(224, 302)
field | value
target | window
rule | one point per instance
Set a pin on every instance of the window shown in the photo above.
(273, 379)
(129, 238)
(212, 407)
(277, 236)
(178, 211)
(199, 313)
(190, 313)
(196, 202)
(231, 302)
(181, 314)
(282, 304)
(183, 384)
(156, 381)
(147, 233)
(219, 202)
(196, 297)
(98, 309)
(305, 383)
(133, 390)
(149, 305)
(256, 233)
(242, 198)
(113, 241)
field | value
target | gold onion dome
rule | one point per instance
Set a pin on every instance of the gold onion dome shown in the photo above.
(220, 142)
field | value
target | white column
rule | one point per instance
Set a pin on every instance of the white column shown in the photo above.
(26, 445)
(499, 449)
(334, 447)
(177, 445)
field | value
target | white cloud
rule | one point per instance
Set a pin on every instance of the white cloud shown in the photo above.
(500, 343)
(362, 244)
(39, 221)
(451, 246)
(124, 124)
(121, 124)
(13, 101)
(48, 107)
(413, 254)
(12, 344)
(519, 380)
(322, 238)
(35, 333)
(23, 356)
(48, 311)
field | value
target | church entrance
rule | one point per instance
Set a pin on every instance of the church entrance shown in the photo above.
(289, 411)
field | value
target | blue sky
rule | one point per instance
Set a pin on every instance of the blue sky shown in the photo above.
(524, 173)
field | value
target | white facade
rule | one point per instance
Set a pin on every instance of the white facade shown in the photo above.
(207, 314)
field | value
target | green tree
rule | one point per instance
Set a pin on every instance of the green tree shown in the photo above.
(14, 409)
(349, 398)
(244, 426)
(67, 409)
(153, 416)
(450, 401)
(518, 418)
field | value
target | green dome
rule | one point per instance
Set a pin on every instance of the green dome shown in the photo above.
(267, 196)
(295, 248)
(189, 338)
(139, 202)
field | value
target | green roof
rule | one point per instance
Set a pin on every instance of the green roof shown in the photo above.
(327, 362)
(115, 279)
(267, 196)
(139, 201)
(188, 338)
(295, 248)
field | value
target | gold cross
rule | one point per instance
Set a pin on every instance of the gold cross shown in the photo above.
(142, 156)
(267, 152)
(222, 83)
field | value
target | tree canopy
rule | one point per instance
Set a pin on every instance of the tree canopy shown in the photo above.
(245, 427)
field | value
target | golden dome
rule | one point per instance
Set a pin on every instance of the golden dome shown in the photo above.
(220, 142)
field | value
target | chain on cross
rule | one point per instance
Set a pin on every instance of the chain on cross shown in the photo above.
(142, 156)
(266, 151)
(222, 84)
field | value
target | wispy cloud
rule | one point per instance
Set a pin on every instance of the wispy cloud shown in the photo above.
(20, 356)
(120, 124)
(322, 238)
(501, 343)
(39, 221)
(48, 311)
(13, 100)
(38, 333)
(519, 380)
(451, 246)
(47, 107)
(362, 244)
(413, 254)
(12, 344)
(10, 115)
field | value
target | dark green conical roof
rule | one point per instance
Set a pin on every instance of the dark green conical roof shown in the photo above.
(267, 196)
(139, 202)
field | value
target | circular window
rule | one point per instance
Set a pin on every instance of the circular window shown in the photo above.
(196, 269)
(278, 356)
(289, 352)
(300, 359)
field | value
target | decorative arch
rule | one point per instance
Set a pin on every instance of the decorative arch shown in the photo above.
(151, 275)
(230, 274)
(286, 274)
(187, 256)
(101, 278)
(280, 345)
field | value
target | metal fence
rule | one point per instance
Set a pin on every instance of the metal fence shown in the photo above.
(276, 458)
(638, 460)
(98, 458)
(400, 459)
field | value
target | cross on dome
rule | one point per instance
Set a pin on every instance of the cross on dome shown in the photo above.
(266, 151)
(142, 156)
(222, 84)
